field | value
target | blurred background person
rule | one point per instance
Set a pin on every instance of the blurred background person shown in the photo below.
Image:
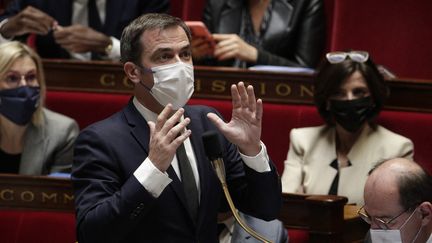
(263, 32)
(398, 197)
(335, 158)
(33, 140)
(79, 29)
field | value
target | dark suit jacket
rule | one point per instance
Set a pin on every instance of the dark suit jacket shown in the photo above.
(118, 15)
(112, 206)
(295, 35)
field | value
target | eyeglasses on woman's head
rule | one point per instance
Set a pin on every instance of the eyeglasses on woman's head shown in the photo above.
(340, 56)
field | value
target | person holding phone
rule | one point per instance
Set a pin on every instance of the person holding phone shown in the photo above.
(263, 32)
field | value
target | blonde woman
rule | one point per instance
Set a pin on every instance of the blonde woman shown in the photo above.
(33, 140)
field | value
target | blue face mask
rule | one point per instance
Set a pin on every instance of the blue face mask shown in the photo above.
(19, 104)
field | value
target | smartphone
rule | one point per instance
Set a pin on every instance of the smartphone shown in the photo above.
(199, 30)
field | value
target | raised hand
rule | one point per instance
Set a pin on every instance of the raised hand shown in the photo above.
(79, 39)
(244, 129)
(231, 46)
(164, 137)
(30, 20)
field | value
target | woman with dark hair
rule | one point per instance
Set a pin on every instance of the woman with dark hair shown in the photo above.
(335, 158)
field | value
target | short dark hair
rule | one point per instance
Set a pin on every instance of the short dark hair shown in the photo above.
(329, 78)
(415, 187)
(130, 45)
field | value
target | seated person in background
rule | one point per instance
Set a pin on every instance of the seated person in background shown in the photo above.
(79, 29)
(335, 158)
(264, 32)
(33, 140)
(398, 197)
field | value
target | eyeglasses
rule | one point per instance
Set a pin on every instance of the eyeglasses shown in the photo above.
(13, 80)
(382, 224)
(340, 56)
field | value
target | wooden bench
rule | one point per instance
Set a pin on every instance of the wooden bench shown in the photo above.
(40, 209)
(326, 218)
(102, 90)
(36, 209)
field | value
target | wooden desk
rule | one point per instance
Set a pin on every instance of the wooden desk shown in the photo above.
(36, 193)
(327, 218)
(214, 82)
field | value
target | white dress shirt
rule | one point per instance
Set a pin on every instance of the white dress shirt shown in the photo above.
(80, 16)
(155, 181)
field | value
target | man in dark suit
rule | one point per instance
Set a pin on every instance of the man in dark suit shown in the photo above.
(69, 28)
(142, 175)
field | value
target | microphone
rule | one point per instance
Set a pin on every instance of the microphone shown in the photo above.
(212, 145)
(214, 151)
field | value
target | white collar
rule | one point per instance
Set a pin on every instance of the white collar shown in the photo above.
(146, 113)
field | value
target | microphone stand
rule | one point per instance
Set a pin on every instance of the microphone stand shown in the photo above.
(219, 167)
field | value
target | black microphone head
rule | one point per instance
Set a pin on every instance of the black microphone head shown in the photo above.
(212, 145)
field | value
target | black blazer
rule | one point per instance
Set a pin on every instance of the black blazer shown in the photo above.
(112, 206)
(295, 36)
(119, 13)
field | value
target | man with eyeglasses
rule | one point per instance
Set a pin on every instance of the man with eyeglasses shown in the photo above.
(398, 196)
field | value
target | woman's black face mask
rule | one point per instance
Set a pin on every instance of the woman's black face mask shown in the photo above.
(352, 114)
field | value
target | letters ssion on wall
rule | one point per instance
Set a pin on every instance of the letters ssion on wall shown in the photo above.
(215, 82)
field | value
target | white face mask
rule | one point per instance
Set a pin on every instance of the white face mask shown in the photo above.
(385, 236)
(390, 236)
(173, 83)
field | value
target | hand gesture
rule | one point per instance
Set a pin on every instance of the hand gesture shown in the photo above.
(231, 46)
(244, 129)
(29, 20)
(80, 39)
(165, 138)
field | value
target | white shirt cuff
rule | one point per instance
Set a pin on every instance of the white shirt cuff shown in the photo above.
(115, 51)
(259, 162)
(2, 38)
(151, 178)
